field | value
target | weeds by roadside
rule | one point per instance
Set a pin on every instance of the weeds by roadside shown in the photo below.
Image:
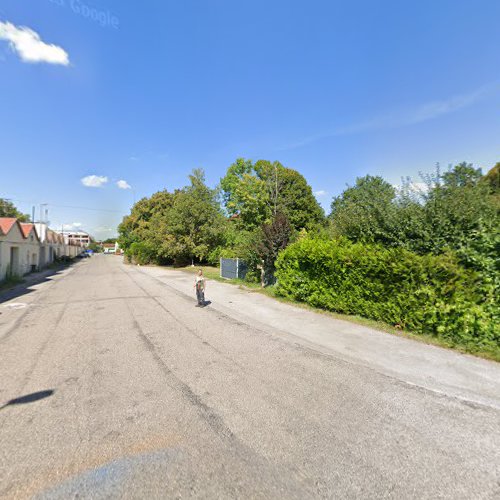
(10, 282)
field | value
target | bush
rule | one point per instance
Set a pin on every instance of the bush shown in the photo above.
(141, 253)
(422, 293)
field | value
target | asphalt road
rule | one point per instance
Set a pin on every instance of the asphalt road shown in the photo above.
(113, 385)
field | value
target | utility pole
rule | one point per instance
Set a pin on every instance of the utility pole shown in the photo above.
(41, 211)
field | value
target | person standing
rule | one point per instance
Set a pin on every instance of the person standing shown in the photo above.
(199, 284)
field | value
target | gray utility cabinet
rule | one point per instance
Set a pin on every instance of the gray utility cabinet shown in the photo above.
(233, 268)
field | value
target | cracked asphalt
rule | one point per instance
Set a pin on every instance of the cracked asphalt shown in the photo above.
(113, 385)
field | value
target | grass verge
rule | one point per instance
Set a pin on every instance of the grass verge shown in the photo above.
(10, 282)
(212, 272)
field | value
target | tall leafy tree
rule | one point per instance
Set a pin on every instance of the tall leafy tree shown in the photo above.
(492, 178)
(457, 207)
(194, 224)
(275, 238)
(244, 194)
(255, 193)
(140, 228)
(8, 209)
(365, 211)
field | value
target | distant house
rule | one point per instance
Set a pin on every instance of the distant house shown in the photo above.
(53, 245)
(19, 248)
(111, 248)
(26, 247)
(77, 238)
(31, 247)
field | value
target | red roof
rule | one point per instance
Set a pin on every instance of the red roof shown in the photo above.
(6, 224)
(26, 228)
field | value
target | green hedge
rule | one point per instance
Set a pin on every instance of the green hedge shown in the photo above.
(141, 253)
(424, 294)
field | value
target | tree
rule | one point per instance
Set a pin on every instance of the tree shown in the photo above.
(8, 209)
(366, 211)
(244, 194)
(95, 247)
(257, 192)
(141, 226)
(458, 207)
(177, 227)
(493, 178)
(193, 226)
(289, 193)
(275, 237)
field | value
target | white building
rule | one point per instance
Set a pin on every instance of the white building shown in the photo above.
(22, 250)
(53, 245)
(77, 237)
(19, 248)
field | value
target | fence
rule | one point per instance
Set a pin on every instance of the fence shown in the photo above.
(233, 268)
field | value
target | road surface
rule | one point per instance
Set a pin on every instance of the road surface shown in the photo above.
(114, 385)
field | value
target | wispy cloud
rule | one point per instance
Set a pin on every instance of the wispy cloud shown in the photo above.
(321, 192)
(73, 225)
(94, 181)
(30, 47)
(403, 118)
(123, 184)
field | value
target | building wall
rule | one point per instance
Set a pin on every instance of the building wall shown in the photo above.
(32, 252)
(25, 253)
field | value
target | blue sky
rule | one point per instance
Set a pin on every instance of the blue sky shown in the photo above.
(146, 91)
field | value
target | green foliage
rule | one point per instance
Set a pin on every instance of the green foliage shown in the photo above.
(492, 178)
(142, 252)
(422, 293)
(257, 192)
(366, 212)
(8, 209)
(175, 227)
(275, 237)
(455, 206)
(244, 194)
(95, 247)
(243, 244)
(425, 259)
(11, 279)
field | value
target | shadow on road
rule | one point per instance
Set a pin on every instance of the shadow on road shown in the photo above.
(28, 398)
(29, 281)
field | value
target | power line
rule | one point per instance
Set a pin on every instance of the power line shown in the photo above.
(67, 206)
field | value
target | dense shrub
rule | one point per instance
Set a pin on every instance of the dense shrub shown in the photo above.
(422, 293)
(141, 253)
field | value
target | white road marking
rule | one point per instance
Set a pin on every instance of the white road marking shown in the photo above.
(16, 305)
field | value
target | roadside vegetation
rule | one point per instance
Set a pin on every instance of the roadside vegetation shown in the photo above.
(11, 280)
(8, 209)
(422, 258)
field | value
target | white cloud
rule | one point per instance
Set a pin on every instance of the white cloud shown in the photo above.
(419, 189)
(73, 225)
(123, 185)
(94, 181)
(321, 192)
(30, 47)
